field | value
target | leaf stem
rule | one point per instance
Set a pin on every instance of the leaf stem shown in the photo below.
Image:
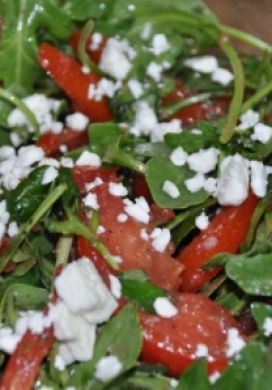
(81, 47)
(259, 95)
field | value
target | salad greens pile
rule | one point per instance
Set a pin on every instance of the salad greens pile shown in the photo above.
(49, 215)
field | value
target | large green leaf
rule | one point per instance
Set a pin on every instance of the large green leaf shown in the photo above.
(158, 170)
(195, 377)
(22, 19)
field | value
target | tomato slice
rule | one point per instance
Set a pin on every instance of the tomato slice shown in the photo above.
(86, 174)
(124, 239)
(189, 115)
(68, 75)
(225, 233)
(51, 142)
(24, 365)
(173, 341)
(95, 55)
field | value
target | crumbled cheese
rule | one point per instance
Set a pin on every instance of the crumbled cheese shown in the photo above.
(117, 189)
(262, 133)
(100, 230)
(159, 131)
(249, 119)
(15, 139)
(267, 326)
(164, 307)
(107, 368)
(66, 162)
(195, 183)
(160, 44)
(85, 69)
(89, 158)
(93, 184)
(59, 363)
(115, 287)
(201, 351)
(135, 88)
(154, 70)
(146, 31)
(210, 185)
(122, 217)
(234, 342)
(160, 239)
(43, 108)
(8, 340)
(144, 235)
(115, 59)
(7, 152)
(222, 76)
(91, 201)
(138, 210)
(178, 156)
(202, 221)
(96, 40)
(145, 119)
(203, 161)
(13, 229)
(103, 88)
(4, 217)
(214, 377)
(173, 383)
(63, 148)
(77, 121)
(232, 188)
(49, 175)
(171, 189)
(258, 178)
(205, 64)
(50, 162)
(28, 155)
(210, 243)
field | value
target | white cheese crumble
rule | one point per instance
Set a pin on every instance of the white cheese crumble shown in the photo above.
(117, 189)
(171, 189)
(214, 377)
(249, 119)
(122, 217)
(146, 31)
(262, 133)
(222, 76)
(8, 340)
(91, 201)
(107, 368)
(138, 210)
(103, 88)
(135, 88)
(195, 183)
(201, 351)
(13, 229)
(160, 239)
(77, 121)
(178, 156)
(234, 342)
(49, 175)
(258, 178)
(66, 162)
(205, 64)
(115, 287)
(93, 184)
(96, 40)
(115, 58)
(154, 70)
(160, 44)
(210, 185)
(267, 326)
(164, 307)
(203, 161)
(89, 158)
(144, 235)
(4, 217)
(202, 221)
(232, 188)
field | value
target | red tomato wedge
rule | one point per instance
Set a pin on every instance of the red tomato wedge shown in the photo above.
(189, 115)
(225, 233)
(68, 75)
(24, 365)
(173, 341)
(86, 174)
(124, 239)
(51, 142)
(95, 54)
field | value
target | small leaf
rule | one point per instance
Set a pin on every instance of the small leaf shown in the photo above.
(195, 377)
(261, 312)
(101, 135)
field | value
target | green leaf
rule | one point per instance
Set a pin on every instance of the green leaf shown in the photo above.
(261, 312)
(27, 196)
(112, 340)
(143, 293)
(85, 9)
(22, 19)
(252, 274)
(195, 377)
(101, 135)
(251, 370)
(158, 170)
(143, 381)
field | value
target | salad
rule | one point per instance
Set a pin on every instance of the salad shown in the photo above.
(135, 198)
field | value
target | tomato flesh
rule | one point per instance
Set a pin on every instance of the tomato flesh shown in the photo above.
(173, 341)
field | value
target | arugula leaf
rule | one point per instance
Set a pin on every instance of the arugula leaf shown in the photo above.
(158, 170)
(113, 340)
(195, 377)
(27, 196)
(22, 19)
(101, 135)
(85, 9)
(261, 312)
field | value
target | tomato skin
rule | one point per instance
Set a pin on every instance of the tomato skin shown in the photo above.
(51, 142)
(24, 364)
(86, 174)
(225, 233)
(67, 74)
(189, 115)
(173, 341)
(95, 55)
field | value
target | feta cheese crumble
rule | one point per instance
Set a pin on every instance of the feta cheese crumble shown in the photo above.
(49, 175)
(160, 44)
(178, 156)
(202, 221)
(138, 210)
(204, 64)
(249, 119)
(160, 239)
(171, 189)
(235, 343)
(203, 161)
(104, 88)
(77, 121)
(117, 189)
(135, 88)
(91, 201)
(107, 368)
(258, 178)
(164, 307)
(195, 183)
(267, 326)
(262, 133)
(222, 76)
(89, 158)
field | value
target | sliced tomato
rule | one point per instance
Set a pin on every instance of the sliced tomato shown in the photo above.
(68, 75)
(173, 341)
(51, 142)
(140, 188)
(124, 239)
(189, 115)
(160, 215)
(3, 246)
(86, 174)
(95, 55)
(24, 364)
(225, 233)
